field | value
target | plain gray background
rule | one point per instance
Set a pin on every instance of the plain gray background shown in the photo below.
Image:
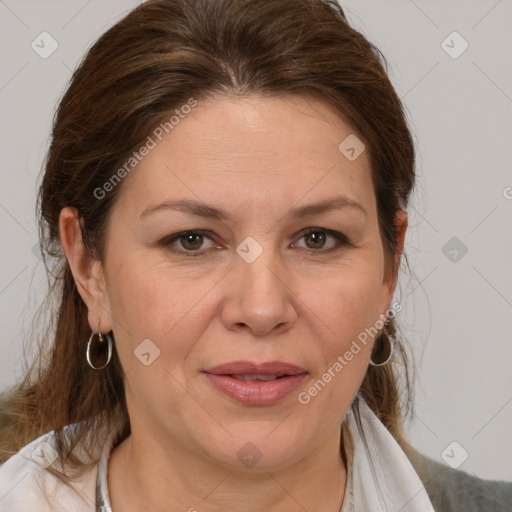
(457, 304)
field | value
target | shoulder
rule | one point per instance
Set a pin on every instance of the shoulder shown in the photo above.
(453, 490)
(26, 484)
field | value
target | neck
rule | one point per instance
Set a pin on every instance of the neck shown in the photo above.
(152, 473)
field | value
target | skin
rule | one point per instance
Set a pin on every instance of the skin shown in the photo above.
(257, 158)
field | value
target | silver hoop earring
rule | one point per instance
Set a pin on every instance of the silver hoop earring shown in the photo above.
(98, 349)
(390, 352)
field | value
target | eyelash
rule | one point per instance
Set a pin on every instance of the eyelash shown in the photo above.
(341, 238)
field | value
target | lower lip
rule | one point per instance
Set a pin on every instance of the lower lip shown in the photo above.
(257, 392)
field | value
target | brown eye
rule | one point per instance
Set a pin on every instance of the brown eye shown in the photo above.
(317, 239)
(322, 241)
(191, 241)
(188, 243)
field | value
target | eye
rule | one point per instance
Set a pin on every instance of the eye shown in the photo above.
(316, 239)
(190, 241)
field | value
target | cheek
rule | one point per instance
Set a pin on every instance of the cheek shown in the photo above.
(346, 304)
(147, 303)
(348, 307)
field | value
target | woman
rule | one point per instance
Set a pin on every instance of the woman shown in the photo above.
(223, 212)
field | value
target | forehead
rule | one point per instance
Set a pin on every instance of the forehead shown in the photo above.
(252, 151)
(282, 129)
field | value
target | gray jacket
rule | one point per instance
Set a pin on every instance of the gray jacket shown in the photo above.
(452, 490)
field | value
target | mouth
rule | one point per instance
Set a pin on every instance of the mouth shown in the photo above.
(256, 383)
(257, 377)
(266, 369)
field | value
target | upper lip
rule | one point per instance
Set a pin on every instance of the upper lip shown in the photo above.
(250, 368)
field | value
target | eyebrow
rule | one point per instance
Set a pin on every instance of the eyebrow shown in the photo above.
(208, 211)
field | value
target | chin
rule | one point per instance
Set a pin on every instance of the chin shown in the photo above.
(268, 446)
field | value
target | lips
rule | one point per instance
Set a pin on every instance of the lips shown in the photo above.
(256, 383)
(249, 368)
(258, 377)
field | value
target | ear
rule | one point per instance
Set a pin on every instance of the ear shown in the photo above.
(87, 272)
(401, 222)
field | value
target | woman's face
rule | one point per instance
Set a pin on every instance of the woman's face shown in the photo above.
(253, 283)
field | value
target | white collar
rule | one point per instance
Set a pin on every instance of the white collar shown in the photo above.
(383, 479)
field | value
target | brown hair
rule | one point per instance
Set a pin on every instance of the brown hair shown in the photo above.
(144, 67)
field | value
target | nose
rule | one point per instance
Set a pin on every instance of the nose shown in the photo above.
(260, 297)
